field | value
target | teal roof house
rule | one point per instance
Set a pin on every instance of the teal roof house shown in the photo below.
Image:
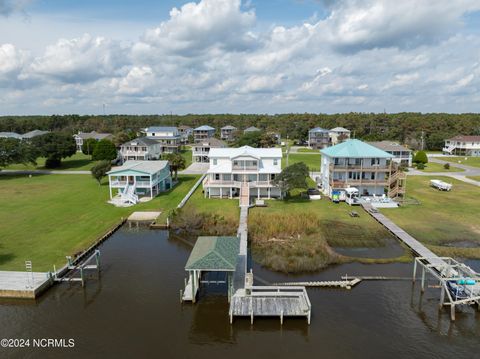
(136, 181)
(356, 164)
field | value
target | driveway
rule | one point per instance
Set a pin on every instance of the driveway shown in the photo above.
(195, 169)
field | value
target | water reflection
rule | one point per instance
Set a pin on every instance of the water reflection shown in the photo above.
(134, 310)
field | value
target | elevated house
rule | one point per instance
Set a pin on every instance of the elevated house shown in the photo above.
(318, 138)
(136, 179)
(462, 146)
(338, 135)
(357, 164)
(140, 149)
(245, 171)
(168, 138)
(251, 129)
(185, 133)
(401, 154)
(201, 150)
(202, 133)
(227, 133)
(82, 136)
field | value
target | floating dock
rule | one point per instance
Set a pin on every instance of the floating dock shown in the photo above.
(144, 216)
(23, 284)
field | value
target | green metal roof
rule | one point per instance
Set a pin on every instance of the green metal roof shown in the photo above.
(214, 253)
(355, 149)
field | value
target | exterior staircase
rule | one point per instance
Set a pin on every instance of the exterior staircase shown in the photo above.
(244, 195)
(449, 149)
(128, 195)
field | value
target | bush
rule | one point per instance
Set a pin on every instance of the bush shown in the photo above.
(420, 166)
(100, 170)
(105, 150)
(421, 157)
(446, 166)
(88, 146)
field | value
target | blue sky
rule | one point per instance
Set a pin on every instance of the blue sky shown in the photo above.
(216, 56)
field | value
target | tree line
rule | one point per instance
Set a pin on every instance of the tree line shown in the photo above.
(404, 127)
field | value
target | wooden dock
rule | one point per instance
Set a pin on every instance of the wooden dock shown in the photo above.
(418, 248)
(271, 301)
(347, 284)
(23, 284)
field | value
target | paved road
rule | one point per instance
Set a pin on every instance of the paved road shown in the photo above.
(461, 176)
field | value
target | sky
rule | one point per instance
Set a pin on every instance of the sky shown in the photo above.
(239, 56)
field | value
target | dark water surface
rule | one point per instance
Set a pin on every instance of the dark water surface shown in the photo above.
(134, 312)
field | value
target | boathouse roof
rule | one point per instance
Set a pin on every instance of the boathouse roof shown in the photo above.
(214, 254)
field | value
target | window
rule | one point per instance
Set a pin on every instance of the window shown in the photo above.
(275, 162)
(214, 161)
(217, 177)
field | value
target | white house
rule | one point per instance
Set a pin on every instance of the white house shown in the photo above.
(354, 163)
(233, 170)
(138, 178)
(169, 138)
(142, 148)
(318, 138)
(201, 150)
(338, 135)
(463, 146)
(227, 133)
(81, 136)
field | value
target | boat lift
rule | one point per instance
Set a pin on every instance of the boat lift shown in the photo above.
(459, 284)
(77, 272)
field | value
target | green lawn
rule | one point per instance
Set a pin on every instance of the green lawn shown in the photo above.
(311, 160)
(308, 150)
(475, 178)
(438, 167)
(46, 217)
(78, 162)
(441, 217)
(470, 161)
(187, 154)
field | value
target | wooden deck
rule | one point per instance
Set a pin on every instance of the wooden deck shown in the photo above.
(23, 284)
(271, 301)
(347, 284)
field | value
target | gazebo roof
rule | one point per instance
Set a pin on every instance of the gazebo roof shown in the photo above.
(214, 253)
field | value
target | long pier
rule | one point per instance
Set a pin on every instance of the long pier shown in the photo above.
(262, 301)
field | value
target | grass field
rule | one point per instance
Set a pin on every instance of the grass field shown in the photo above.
(438, 167)
(296, 235)
(311, 160)
(187, 154)
(307, 150)
(46, 217)
(441, 218)
(470, 161)
(475, 178)
(78, 162)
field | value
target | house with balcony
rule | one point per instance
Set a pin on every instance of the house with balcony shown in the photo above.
(227, 133)
(356, 164)
(140, 149)
(82, 136)
(462, 146)
(401, 154)
(318, 138)
(135, 181)
(169, 138)
(185, 133)
(202, 133)
(201, 150)
(244, 171)
(338, 135)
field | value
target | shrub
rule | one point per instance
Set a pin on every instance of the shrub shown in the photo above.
(104, 150)
(88, 146)
(421, 157)
(420, 166)
(446, 166)
(100, 170)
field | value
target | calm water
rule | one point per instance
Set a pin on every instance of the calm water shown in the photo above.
(134, 311)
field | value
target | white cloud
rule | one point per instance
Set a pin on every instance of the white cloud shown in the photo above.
(209, 56)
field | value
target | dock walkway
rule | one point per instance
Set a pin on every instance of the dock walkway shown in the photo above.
(411, 242)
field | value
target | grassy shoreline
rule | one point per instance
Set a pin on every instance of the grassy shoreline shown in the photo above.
(46, 217)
